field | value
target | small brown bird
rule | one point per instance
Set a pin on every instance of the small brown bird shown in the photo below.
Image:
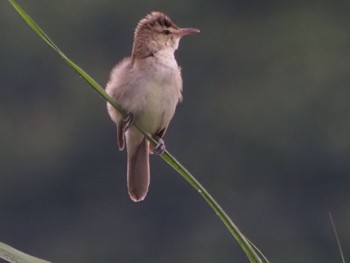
(147, 86)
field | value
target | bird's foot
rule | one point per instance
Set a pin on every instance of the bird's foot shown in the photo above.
(126, 122)
(123, 126)
(160, 147)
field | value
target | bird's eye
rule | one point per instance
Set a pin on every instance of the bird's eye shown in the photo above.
(166, 32)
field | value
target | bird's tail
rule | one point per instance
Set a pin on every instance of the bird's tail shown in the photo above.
(138, 170)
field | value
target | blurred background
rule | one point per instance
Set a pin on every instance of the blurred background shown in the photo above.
(264, 126)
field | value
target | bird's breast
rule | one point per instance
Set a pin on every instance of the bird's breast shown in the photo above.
(161, 91)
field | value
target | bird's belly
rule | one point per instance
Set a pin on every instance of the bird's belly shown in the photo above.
(158, 107)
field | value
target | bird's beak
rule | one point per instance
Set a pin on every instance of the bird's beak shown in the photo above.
(187, 31)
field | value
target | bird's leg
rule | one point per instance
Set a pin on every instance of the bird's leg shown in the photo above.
(126, 122)
(160, 147)
(123, 126)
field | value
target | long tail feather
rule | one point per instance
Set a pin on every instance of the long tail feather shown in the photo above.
(138, 171)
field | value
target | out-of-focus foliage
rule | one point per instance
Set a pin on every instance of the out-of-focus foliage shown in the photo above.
(265, 126)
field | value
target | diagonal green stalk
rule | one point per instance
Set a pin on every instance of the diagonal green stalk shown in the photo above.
(14, 256)
(241, 239)
(337, 237)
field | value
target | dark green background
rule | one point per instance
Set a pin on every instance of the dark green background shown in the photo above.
(264, 125)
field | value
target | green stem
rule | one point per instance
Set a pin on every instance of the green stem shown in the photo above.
(241, 239)
(337, 237)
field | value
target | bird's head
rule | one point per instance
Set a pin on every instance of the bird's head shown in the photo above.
(156, 32)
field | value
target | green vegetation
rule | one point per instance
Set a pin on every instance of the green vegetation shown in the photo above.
(265, 123)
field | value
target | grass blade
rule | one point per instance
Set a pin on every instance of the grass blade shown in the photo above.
(241, 239)
(15, 256)
(337, 238)
(80, 71)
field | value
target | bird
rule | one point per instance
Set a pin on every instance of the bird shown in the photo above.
(148, 86)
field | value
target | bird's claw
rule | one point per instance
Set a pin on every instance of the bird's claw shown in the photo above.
(160, 147)
(127, 121)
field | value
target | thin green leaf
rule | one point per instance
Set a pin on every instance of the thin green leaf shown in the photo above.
(80, 71)
(337, 237)
(259, 252)
(241, 239)
(15, 256)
